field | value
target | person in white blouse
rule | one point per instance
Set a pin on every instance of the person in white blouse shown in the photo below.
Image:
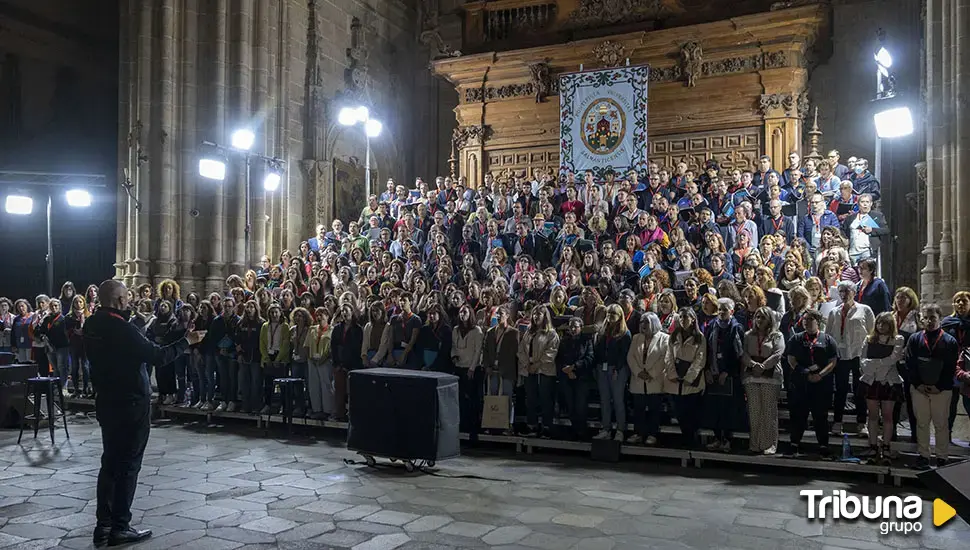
(906, 313)
(648, 361)
(881, 384)
(850, 325)
(762, 350)
(466, 356)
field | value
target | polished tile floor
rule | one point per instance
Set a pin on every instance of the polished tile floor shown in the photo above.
(205, 487)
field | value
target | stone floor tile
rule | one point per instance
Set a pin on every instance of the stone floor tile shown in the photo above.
(209, 543)
(306, 531)
(538, 515)
(325, 507)
(206, 513)
(390, 517)
(356, 512)
(506, 535)
(465, 529)
(242, 536)
(577, 520)
(270, 525)
(33, 531)
(342, 538)
(547, 541)
(427, 523)
(383, 542)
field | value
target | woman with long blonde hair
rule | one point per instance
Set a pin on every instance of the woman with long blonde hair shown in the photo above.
(880, 382)
(612, 371)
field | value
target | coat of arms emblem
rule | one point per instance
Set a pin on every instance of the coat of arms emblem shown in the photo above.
(604, 124)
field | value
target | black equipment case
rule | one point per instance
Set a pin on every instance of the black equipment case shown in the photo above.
(403, 414)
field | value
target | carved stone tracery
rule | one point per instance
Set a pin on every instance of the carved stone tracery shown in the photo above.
(430, 34)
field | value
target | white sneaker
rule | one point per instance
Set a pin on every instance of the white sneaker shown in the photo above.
(725, 446)
(863, 430)
(169, 399)
(221, 407)
(635, 439)
(207, 406)
(651, 440)
(714, 445)
(231, 407)
(619, 436)
(264, 410)
(604, 434)
(770, 451)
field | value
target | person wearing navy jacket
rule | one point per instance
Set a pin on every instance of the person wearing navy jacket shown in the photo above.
(873, 291)
(931, 361)
(957, 325)
(574, 362)
(725, 395)
(810, 226)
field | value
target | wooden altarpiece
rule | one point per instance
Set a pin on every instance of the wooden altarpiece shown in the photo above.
(730, 90)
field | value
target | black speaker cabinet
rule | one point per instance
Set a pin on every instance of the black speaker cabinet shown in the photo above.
(404, 414)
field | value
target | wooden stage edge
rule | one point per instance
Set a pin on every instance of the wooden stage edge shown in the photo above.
(529, 445)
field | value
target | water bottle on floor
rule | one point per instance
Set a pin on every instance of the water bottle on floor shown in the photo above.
(846, 447)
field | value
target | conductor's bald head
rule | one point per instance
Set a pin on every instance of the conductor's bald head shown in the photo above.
(113, 294)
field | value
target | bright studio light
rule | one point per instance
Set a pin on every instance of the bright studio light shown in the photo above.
(19, 204)
(884, 58)
(78, 198)
(894, 123)
(272, 180)
(362, 114)
(243, 139)
(212, 169)
(373, 127)
(347, 116)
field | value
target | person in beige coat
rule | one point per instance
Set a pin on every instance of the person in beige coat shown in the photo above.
(761, 353)
(686, 359)
(537, 364)
(648, 364)
(466, 358)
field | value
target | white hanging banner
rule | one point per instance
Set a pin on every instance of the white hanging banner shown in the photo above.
(603, 121)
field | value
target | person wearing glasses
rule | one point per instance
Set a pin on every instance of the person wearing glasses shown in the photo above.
(810, 226)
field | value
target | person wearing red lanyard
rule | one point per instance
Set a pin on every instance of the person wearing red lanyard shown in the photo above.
(538, 348)
(931, 360)
(850, 325)
(763, 348)
(724, 397)
(957, 325)
(274, 347)
(118, 354)
(811, 356)
(612, 372)
(320, 368)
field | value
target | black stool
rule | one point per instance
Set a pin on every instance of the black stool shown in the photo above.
(290, 390)
(39, 387)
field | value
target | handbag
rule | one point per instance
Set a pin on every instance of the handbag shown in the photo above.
(495, 408)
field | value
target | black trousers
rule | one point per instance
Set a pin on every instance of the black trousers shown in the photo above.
(575, 393)
(842, 370)
(806, 397)
(124, 436)
(470, 401)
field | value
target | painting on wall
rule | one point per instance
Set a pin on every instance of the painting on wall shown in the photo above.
(349, 193)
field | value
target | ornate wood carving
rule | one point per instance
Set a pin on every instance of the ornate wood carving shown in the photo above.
(591, 13)
(521, 162)
(541, 80)
(772, 104)
(736, 148)
(691, 58)
(609, 53)
(471, 136)
(509, 91)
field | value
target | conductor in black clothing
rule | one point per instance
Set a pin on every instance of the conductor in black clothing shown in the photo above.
(118, 353)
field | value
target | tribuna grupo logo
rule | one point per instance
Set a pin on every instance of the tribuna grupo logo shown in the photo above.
(893, 513)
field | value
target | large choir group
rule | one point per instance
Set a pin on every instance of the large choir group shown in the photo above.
(668, 295)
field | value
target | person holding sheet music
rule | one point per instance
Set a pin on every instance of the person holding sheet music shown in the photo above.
(931, 359)
(865, 230)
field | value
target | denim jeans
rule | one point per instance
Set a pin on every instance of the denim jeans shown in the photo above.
(250, 385)
(612, 391)
(207, 377)
(540, 394)
(182, 376)
(61, 361)
(80, 372)
(320, 386)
